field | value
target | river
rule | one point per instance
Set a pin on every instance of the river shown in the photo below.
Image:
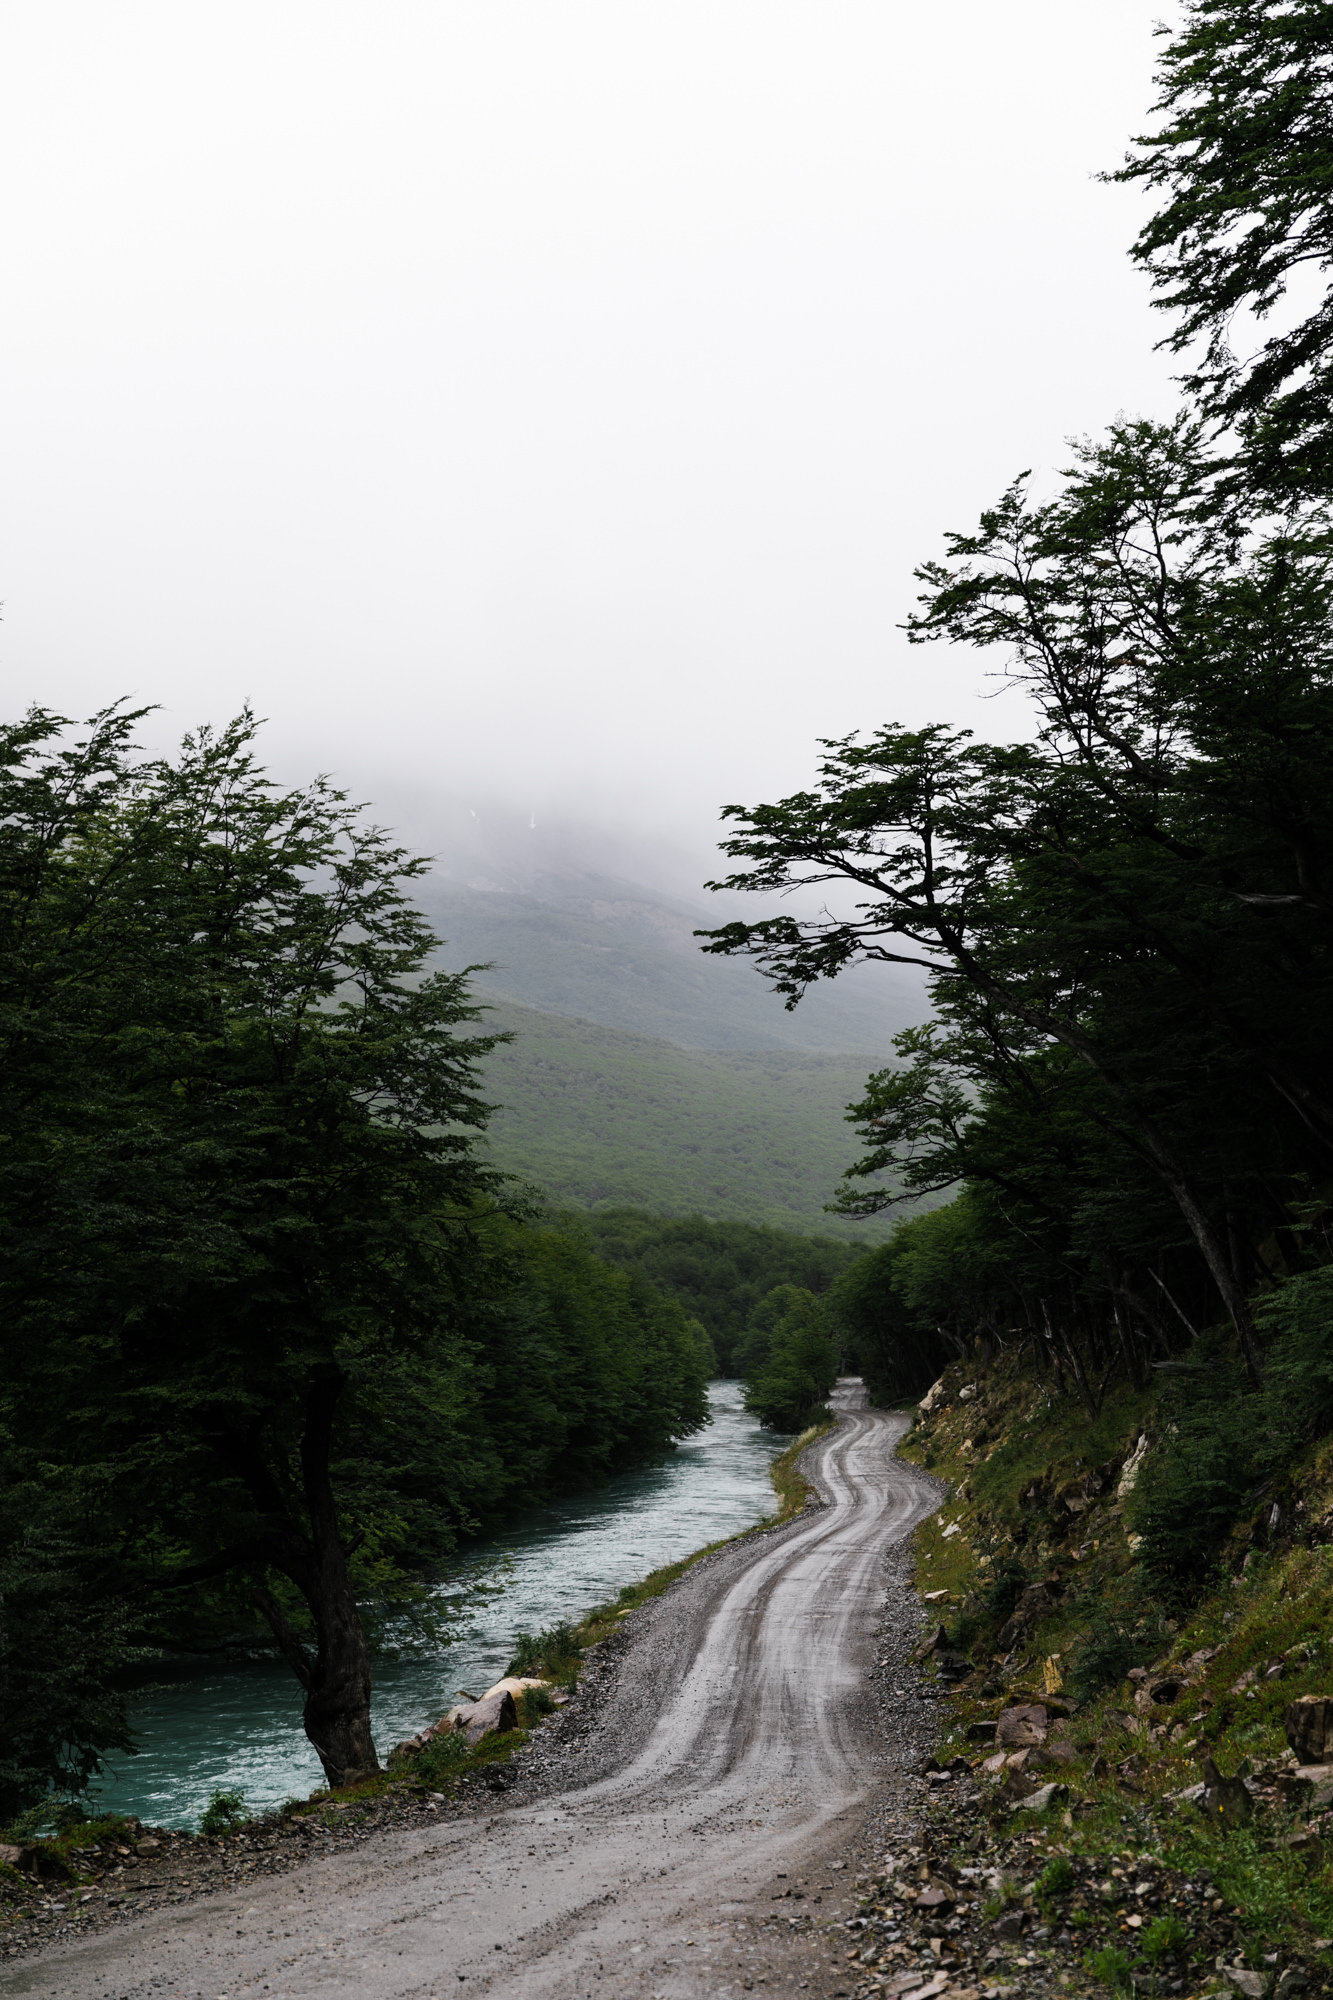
(241, 1726)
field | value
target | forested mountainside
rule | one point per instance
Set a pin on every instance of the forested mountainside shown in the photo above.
(622, 956)
(599, 1117)
(720, 1272)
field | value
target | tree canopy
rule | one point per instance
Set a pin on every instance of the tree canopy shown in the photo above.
(1244, 159)
(1124, 921)
(274, 1341)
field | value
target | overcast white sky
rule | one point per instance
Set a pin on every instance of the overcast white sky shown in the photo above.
(544, 398)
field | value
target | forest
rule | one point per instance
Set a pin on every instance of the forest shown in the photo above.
(1125, 1090)
(277, 1339)
(280, 1338)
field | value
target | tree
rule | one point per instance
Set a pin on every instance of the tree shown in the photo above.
(718, 1270)
(270, 1319)
(1136, 901)
(239, 1183)
(791, 1359)
(65, 1641)
(1244, 157)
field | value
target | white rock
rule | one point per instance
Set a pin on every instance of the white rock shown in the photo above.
(1130, 1470)
(512, 1684)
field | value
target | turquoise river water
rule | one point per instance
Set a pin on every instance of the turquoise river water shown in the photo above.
(240, 1726)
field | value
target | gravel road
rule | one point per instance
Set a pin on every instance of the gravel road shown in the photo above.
(727, 1763)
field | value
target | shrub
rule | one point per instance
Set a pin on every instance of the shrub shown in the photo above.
(1057, 1878)
(554, 1651)
(1111, 1966)
(1164, 1938)
(1004, 1590)
(224, 1812)
(443, 1757)
(1126, 1630)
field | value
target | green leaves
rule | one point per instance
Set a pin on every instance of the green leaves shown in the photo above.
(253, 1271)
(1244, 159)
(1123, 922)
(789, 1357)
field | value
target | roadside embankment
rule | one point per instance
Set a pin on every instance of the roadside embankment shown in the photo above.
(1133, 1780)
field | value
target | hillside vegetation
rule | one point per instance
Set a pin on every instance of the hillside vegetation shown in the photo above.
(598, 1117)
(720, 1272)
(1165, 1609)
(624, 956)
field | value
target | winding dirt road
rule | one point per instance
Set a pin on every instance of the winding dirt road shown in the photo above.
(753, 1756)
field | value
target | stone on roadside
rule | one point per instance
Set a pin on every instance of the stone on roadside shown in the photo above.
(515, 1684)
(1312, 1784)
(1308, 1722)
(1034, 1604)
(1225, 1800)
(938, 1641)
(1253, 1985)
(490, 1716)
(1046, 1798)
(1018, 1728)
(1015, 1787)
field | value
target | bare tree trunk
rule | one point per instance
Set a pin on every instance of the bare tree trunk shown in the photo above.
(337, 1705)
(1052, 1352)
(1075, 1362)
(336, 1676)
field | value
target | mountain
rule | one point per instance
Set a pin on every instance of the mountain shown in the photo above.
(601, 1118)
(563, 936)
(645, 1073)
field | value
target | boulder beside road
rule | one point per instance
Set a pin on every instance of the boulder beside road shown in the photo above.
(1021, 1728)
(490, 1716)
(1308, 1722)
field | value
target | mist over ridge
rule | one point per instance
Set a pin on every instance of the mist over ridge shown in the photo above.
(567, 926)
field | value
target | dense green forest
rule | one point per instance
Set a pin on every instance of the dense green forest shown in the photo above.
(596, 1116)
(720, 1272)
(277, 1336)
(1126, 1086)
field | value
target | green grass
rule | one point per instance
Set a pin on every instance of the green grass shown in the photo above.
(598, 1117)
(1009, 1453)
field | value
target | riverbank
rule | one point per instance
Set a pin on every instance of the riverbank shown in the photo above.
(111, 1870)
(236, 1725)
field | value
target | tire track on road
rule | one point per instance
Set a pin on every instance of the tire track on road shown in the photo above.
(640, 1881)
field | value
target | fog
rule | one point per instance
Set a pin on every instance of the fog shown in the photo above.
(545, 401)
